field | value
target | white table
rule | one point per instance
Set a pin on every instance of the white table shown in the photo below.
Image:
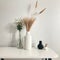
(13, 52)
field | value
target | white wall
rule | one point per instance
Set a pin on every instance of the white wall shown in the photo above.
(45, 28)
(11, 9)
(55, 27)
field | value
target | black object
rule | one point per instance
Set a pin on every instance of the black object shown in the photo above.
(49, 59)
(46, 59)
(2, 58)
(40, 45)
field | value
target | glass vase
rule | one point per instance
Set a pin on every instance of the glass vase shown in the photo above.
(19, 44)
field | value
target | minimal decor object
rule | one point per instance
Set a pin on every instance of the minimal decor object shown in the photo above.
(19, 24)
(27, 22)
(2, 58)
(45, 58)
(28, 39)
(49, 58)
(40, 45)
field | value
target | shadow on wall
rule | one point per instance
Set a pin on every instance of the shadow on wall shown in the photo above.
(11, 28)
(14, 34)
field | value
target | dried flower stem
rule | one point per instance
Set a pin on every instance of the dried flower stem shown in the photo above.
(42, 11)
(36, 4)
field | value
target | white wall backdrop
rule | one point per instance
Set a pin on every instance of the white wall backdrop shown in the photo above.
(45, 28)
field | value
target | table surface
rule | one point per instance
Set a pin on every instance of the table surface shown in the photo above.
(13, 52)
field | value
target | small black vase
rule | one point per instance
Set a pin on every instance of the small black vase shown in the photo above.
(40, 45)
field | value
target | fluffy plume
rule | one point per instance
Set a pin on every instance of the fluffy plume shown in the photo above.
(28, 23)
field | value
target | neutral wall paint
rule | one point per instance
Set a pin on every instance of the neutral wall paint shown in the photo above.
(45, 28)
(55, 27)
(11, 9)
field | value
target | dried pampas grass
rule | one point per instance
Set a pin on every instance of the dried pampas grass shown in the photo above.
(28, 23)
(38, 13)
(36, 7)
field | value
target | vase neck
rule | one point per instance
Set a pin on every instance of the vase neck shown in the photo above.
(28, 32)
(40, 42)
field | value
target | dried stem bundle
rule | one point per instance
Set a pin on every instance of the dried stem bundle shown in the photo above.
(19, 24)
(36, 7)
(39, 12)
(28, 23)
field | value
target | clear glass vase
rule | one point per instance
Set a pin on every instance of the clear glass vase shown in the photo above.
(19, 44)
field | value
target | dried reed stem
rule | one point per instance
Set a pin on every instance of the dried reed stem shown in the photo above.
(36, 4)
(42, 11)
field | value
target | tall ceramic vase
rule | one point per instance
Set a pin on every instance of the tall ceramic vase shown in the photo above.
(28, 40)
